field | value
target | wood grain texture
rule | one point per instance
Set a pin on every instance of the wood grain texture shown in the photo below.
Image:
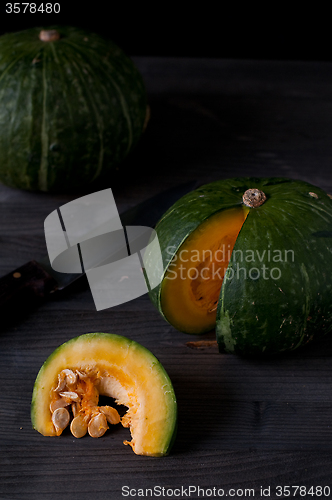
(243, 423)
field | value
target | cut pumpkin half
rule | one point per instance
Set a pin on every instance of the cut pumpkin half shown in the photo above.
(68, 385)
(249, 257)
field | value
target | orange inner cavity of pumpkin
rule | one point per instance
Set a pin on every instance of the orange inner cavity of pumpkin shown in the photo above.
(191, 288)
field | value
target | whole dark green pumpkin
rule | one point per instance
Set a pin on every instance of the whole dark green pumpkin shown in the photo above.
(274, 290)
(72, 106)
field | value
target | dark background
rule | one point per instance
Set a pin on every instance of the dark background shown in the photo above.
(273, 33)
(241, 423)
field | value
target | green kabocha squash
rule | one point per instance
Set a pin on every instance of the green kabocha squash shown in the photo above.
(72, 106)
(251, 257)
(70, 381)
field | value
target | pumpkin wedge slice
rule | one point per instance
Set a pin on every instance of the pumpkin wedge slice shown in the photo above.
(69, 383)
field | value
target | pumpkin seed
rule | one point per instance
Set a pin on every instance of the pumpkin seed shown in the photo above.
(78, 426)
(111, 414)
(97, 426)
(66, 378)
(60, 419)
(75, 409)
(71, 377)
(58, 403)
(61, 382)
(71, 396)
(81, 375)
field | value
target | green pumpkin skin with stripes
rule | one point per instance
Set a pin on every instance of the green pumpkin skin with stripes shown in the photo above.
(277, 292)
(70, 109)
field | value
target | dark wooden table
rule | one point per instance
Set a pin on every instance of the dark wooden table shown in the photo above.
(243, 424)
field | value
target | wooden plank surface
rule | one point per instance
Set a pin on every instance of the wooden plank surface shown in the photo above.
(242, 423)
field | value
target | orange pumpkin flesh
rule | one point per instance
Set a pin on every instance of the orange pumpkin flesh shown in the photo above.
(191, 288)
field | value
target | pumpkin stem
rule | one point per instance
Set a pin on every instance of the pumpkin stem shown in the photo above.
(254, 198)
(201, 344)
(49, 35)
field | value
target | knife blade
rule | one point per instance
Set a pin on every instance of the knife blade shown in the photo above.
(29, 285)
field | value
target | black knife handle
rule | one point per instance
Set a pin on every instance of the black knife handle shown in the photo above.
(24, 288)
